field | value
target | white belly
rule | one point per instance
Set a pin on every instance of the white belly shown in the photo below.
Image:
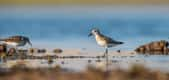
(101, 43)
(104, 44)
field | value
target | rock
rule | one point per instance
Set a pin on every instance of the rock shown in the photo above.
(57, 51)
(89, 61)
(62, 62)
(31, 50)
(35, 50)
(118, 51)
(98, 60)
(50, 60)
(140, 49)
(166, 50)
(156, 47)
(22, 51)
(147, 48)
(155, 44)
(41, 50)
(162, 43)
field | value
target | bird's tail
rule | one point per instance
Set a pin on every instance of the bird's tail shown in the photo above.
(121, 42)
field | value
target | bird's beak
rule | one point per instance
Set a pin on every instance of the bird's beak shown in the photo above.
(90, 34)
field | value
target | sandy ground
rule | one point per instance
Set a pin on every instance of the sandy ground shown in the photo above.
(122, 60)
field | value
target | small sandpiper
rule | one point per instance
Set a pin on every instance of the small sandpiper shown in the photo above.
(103, 40)
(106, 42)
(16, 41)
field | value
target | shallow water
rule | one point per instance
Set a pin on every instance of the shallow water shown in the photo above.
(123, 61)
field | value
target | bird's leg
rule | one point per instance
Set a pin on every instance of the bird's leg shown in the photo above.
(106, 52)
(16, 51)
(107, 60)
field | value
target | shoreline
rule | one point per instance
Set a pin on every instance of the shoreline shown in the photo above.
(121, 60)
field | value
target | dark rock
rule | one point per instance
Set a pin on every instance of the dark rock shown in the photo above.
(89, 61)
(22, 51)
(156, 47)
(41, 51)
(62, 62)
(57, 51)
(31, 50)
(98, 60)
(50, 61)
(118, 51)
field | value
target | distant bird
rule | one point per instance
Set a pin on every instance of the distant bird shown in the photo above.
(103, 40)
(16, 41)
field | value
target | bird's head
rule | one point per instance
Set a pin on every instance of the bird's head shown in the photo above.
(94, 31)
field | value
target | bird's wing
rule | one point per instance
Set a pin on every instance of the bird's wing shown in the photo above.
(13, 39)
(110, 40)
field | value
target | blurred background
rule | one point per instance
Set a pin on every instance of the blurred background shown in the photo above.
(66, 23)
(86, 2)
